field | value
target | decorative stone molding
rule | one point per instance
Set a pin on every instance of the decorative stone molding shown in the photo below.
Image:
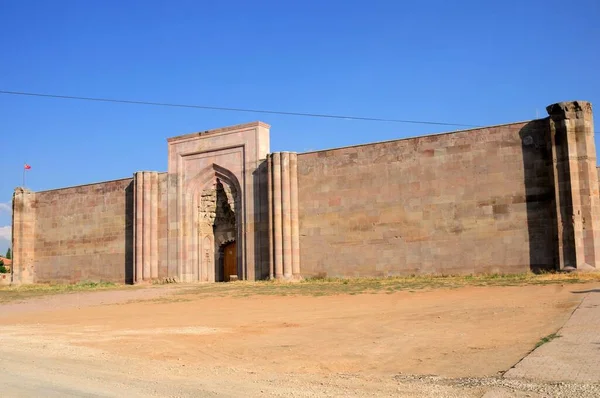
(145, 229)
(284, 256)
(197, 162)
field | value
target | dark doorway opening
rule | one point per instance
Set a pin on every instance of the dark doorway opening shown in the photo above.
(229, 262)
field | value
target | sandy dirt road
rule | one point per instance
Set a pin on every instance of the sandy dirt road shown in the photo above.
(160, 342)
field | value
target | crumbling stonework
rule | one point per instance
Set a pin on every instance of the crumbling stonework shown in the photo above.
(217, 206)
(217, 221)
(506, 198)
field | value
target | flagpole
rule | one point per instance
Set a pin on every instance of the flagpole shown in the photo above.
(25, 168)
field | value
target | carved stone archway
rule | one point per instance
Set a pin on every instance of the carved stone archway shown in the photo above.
(212, 213)
(216, 224)
(235, 155)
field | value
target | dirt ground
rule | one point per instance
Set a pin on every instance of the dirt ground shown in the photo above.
(167, 341)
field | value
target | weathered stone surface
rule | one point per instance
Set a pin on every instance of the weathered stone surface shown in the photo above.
(506, 198)
(472, 201)
(567, 109)
(23, 235)
(284, 253)
(577, 199)
(82, 233)
(233, 156)
(146, 227)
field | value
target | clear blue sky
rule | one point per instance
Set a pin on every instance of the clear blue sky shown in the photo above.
(474, 62)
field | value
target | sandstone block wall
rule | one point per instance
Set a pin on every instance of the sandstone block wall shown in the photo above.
(23, 234)
(84, 233)
(503, 199)
(467, 202)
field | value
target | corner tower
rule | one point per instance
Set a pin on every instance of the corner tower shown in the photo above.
(576, 185)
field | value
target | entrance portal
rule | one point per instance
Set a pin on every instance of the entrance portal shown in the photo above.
(229, 262)
(216, 221)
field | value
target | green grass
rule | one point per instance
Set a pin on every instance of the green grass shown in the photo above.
(22, 292)
(547, 339)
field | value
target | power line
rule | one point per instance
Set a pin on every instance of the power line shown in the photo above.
(218, 108)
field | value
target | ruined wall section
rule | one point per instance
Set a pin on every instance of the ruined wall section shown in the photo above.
(466, 202)
(84, 233)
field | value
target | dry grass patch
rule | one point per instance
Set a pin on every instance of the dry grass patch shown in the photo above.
(308, 287)
(23, 292)
(333, 286)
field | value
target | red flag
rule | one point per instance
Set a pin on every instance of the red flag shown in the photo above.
(27, 167)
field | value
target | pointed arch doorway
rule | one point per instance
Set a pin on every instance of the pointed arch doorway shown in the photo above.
(217, 228)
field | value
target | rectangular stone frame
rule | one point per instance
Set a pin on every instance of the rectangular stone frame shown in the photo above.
(239, 149)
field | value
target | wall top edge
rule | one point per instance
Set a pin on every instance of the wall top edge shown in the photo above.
(226, 129)
(561, 108)
(79, 186)
(426, 136)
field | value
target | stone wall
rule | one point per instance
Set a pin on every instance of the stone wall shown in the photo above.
(466, 202)
(503, 199)
(84, 233)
